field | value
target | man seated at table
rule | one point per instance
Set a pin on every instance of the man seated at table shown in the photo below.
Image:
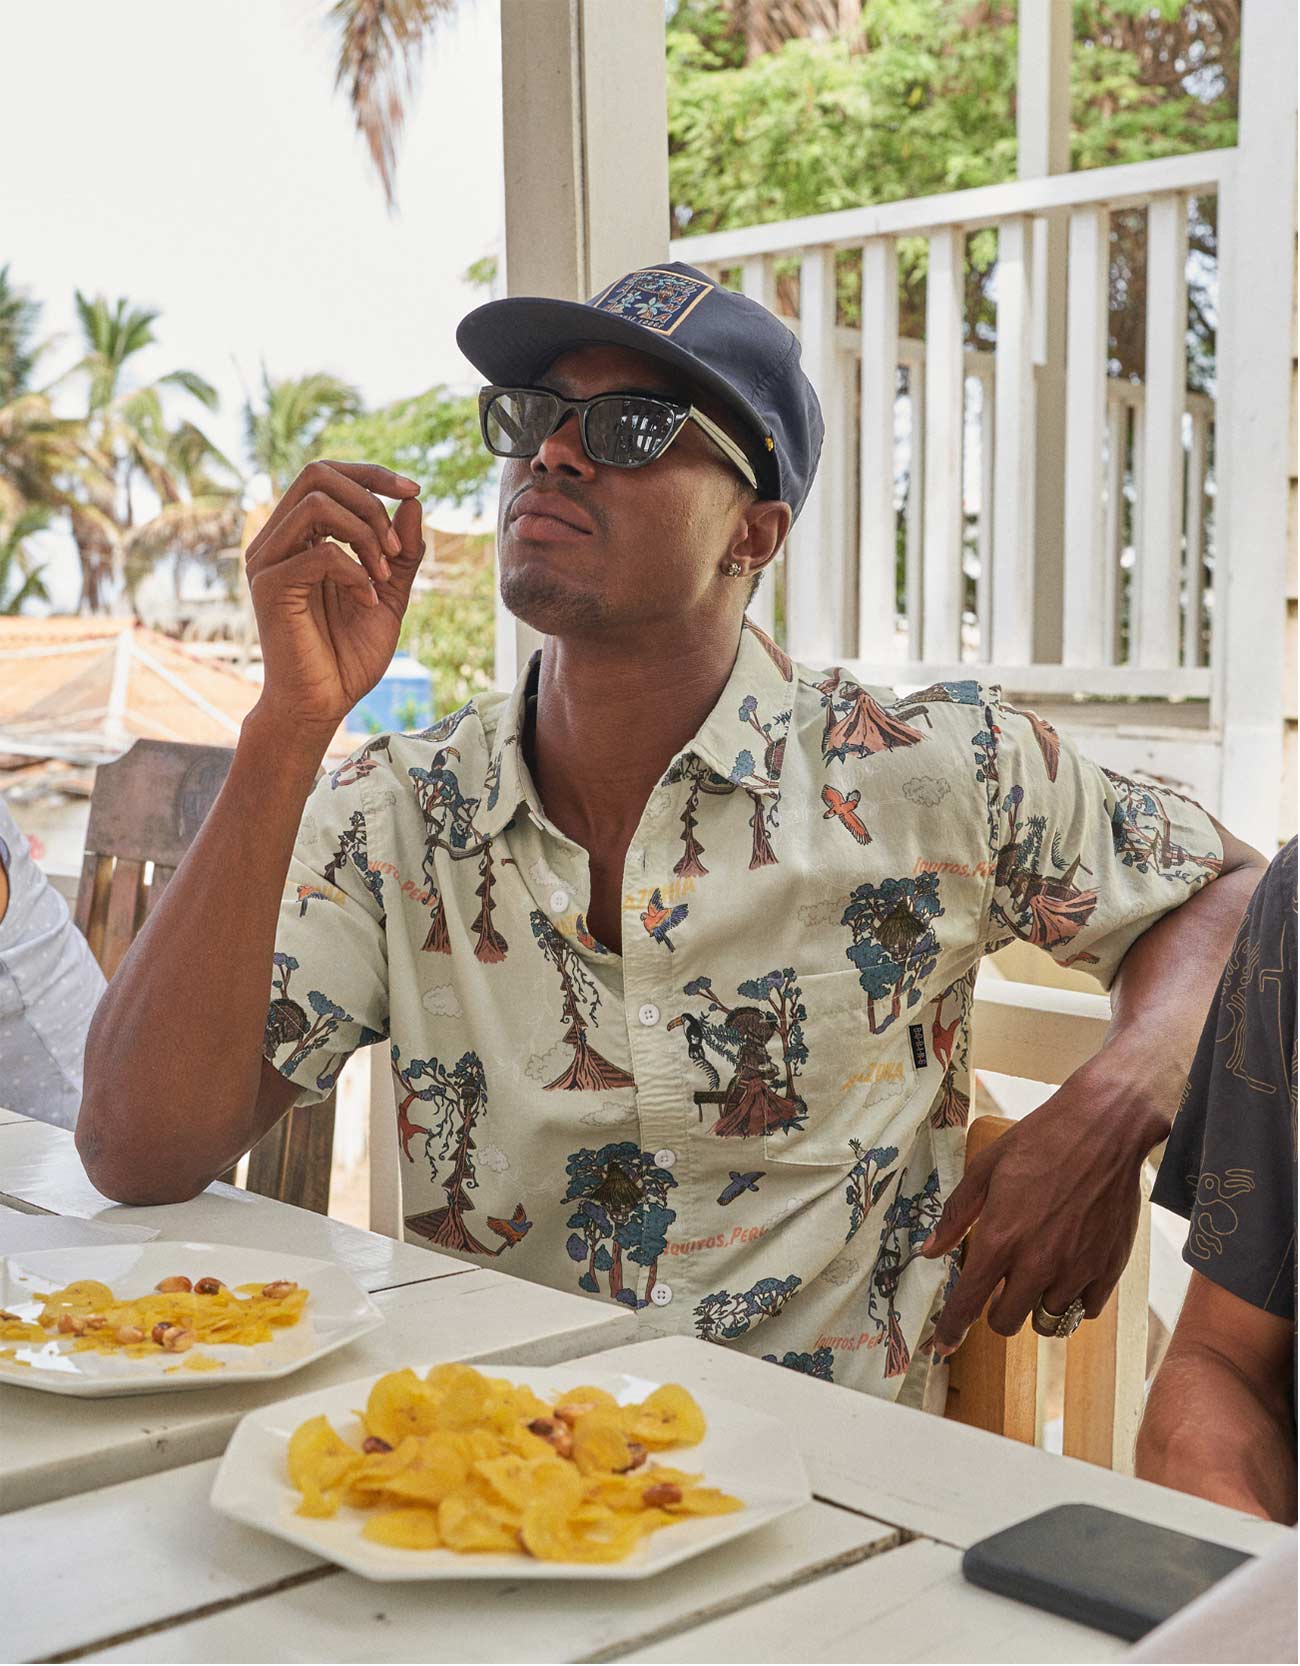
(49, 984)
(1221, 1417)
(672, 947)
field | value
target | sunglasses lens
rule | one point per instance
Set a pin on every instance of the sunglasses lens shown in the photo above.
(627, 431)
(516, 423)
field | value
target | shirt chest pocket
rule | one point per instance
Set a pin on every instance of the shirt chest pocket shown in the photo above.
(837, 1085)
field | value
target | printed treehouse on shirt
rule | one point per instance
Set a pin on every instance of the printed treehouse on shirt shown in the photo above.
(744, 1126)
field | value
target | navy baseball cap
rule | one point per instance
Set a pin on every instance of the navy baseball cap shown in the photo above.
(723, 343)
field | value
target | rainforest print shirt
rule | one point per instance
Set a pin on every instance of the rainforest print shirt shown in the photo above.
(744, 1126)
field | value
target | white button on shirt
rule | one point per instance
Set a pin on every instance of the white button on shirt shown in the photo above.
(649, 1015)
(665, 1159)
(661, 1295)
(559, 901)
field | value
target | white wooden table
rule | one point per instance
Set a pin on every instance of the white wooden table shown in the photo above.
(124, 1560)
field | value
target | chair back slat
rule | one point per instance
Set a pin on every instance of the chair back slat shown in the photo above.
(146, 808)
(125, 913)
(993, 1380)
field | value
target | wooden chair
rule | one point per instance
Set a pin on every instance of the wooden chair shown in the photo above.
(146, 808)
(993, 1380)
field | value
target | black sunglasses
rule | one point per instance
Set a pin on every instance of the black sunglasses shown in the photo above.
(624, 430)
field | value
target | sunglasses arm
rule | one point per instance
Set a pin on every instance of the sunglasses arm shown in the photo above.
(725, 444)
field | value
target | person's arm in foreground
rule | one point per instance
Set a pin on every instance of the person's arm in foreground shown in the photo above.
(1218, 1419)
(176, 1086)
(1078, 1158)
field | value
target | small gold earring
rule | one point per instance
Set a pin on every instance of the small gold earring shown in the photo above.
(733, 569)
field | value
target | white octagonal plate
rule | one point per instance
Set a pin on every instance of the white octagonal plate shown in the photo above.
(746, 1453)
(337, 1311)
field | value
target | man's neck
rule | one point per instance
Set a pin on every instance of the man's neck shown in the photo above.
(607, 725)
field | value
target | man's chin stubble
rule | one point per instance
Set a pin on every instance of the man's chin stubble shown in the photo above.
(551, 608)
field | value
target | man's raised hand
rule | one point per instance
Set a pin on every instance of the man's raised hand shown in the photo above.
(329, 621)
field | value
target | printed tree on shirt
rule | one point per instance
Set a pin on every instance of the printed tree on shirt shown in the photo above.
(894, 944)
(867, 1179)
(449, 827)
(721, 1317)
(622, 1198)
(819, 1363)
(908, 1222)
(589, 1071)
(459, 1100)
(1143, 834)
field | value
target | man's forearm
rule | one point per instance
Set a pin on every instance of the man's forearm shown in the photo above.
(1164, 988)
(173, 1058)
(1206, 1430)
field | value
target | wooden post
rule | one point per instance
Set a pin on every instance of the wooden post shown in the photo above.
(1253, 430)
(941, 579)
(582, 205)
(876, 529)
(1043, 147)
(1013, 450)
(1083, 625)
(1160, 504)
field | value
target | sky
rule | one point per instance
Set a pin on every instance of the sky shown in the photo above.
(197, 159)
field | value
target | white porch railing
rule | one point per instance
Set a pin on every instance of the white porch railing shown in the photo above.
(948, 464)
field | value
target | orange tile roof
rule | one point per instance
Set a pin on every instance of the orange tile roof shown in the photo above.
(61, 684)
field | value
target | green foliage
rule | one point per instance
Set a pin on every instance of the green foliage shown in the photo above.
(19, 317)
(434, 438)
(453, 633)
(287, 431)
(20, 577)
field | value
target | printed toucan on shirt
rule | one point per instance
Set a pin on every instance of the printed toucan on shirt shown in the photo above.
(744, 1126)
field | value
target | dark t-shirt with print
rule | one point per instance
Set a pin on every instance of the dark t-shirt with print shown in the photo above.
(1230, 1165)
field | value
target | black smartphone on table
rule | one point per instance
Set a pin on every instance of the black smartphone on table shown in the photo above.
(1103, 1569)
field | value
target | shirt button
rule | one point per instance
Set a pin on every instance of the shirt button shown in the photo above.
(661, 1295)
(559, 901)
(649, 1014)
(665, 1159)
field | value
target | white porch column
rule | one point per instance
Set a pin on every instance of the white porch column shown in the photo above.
(1043, 147)
(1257, 228)
(580, 78)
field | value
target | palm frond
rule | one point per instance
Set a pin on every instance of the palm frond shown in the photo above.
(193, 384)
(380, 45)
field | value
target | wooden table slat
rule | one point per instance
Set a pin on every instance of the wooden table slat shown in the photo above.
(910, 1605)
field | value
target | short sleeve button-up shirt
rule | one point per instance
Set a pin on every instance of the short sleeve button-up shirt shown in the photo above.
(744, 1126)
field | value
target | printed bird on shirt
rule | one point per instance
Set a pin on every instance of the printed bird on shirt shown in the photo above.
(739, 1184)
(512, 1231)
(659, 920)
(843, 807)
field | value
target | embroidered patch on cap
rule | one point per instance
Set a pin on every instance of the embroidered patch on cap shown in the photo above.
(656, 299)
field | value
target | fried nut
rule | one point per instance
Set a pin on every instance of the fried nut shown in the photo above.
(177, 1340)
(542, 1426)
(569, 1415)
(638, 1454)
(129, 1333)
(207, 1286)
(96, 1321)
(663, 1492)
(372, 1443)
(169, 1286)
(6, 1317)
(71, 1324)
(160, 1331)
(278, 1288)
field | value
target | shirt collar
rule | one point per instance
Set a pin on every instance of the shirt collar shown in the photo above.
(742, 739)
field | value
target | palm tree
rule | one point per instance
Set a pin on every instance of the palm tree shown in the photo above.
(380, 44)
(201, 523)
(20, 577)
(36, 446)
(129, 437)
(284, 434)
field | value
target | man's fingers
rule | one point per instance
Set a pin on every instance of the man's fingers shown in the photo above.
(351, 483)
(1012, 1304)
(975, 1284)
(311, 568)
(408, 524)
(960, 1212)
(319, 516)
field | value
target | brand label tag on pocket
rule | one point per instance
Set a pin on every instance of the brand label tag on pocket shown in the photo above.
(916, 1034)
